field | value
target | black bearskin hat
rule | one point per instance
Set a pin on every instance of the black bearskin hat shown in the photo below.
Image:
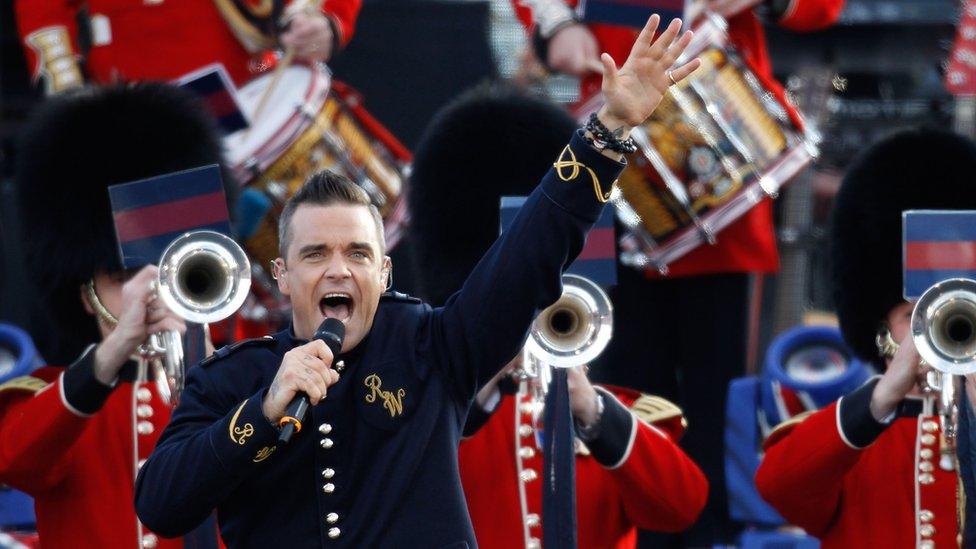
(910, 170)
(493, 141)
(72, 148)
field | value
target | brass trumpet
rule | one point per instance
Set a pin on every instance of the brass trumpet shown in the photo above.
(571, 332)
(944, 331)
(204, 276)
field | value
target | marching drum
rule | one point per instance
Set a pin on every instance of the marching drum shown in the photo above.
(718, 144)
(310, 123)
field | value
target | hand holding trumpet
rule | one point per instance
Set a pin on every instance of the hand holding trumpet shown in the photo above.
(142, 314)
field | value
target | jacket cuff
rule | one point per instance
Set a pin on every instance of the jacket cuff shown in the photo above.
(81, 391)
(244, 437)
(477, 417)
(615, 435)
(581, 179)
(856, 424)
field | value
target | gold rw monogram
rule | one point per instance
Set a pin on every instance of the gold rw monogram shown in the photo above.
(392, 402)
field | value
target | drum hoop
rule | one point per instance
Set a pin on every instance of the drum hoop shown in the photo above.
(310, 135)
(268, 152)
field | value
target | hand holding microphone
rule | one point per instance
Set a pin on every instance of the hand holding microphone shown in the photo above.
(304, 378)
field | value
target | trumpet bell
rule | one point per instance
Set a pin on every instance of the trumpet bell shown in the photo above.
(204, 276)
(574, 330)
(944, 326)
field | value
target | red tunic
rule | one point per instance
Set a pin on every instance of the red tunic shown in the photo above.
(80, 469)
(893, 493)
(749, 244)
(147, 40)
(654, 485)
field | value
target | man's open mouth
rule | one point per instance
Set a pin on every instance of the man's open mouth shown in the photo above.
(338, 305)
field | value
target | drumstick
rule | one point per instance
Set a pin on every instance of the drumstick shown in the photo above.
(283, 64)
(275, 78)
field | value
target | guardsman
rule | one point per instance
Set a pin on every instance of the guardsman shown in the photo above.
(74, 433)
(376, 463)
(872, 469)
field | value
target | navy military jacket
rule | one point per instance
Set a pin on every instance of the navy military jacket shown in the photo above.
(376, 463)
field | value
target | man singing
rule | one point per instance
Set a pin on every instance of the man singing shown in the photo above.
(376, 464)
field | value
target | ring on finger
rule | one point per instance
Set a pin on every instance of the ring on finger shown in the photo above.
(671, 78)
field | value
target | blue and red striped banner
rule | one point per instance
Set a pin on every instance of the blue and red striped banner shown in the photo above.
(598, 259)
(630, 13)
(151, 213)
(937, 245)
(214, 87)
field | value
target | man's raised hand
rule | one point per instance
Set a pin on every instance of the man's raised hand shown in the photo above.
(634, 90)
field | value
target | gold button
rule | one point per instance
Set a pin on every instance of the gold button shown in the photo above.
(926, 466)
(526, 407)
(334, 532)
(925, 453)
(328, 488)
(526, 453)
(326, 443)
(926, 478)
(928, 440)
(533, 544)
(525, 430)
(926, 530)
(340, 366)
(532, 520)
(332, 518)
(325, 428)
(328, 473)
(930, 426)
(149, 541)
(145, 428)
(926, 544)
(528, 475)
(925, 515)
(144, 394)
(144, 411)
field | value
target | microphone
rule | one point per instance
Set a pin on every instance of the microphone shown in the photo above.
(331, 331)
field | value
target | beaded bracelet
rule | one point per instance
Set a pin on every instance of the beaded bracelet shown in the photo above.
(603, 138)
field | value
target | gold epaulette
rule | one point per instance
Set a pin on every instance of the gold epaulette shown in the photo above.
(24, 383)
(57, 64)
(654, 409)
(781, 429)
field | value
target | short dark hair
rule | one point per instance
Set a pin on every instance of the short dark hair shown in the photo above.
(326, 188)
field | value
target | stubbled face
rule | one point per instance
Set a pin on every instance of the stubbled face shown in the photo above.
(334, 268)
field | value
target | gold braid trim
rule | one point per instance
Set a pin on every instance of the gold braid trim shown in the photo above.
(574, 166)
(57, 64)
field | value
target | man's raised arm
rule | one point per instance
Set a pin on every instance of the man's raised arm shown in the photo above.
(481, 327)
